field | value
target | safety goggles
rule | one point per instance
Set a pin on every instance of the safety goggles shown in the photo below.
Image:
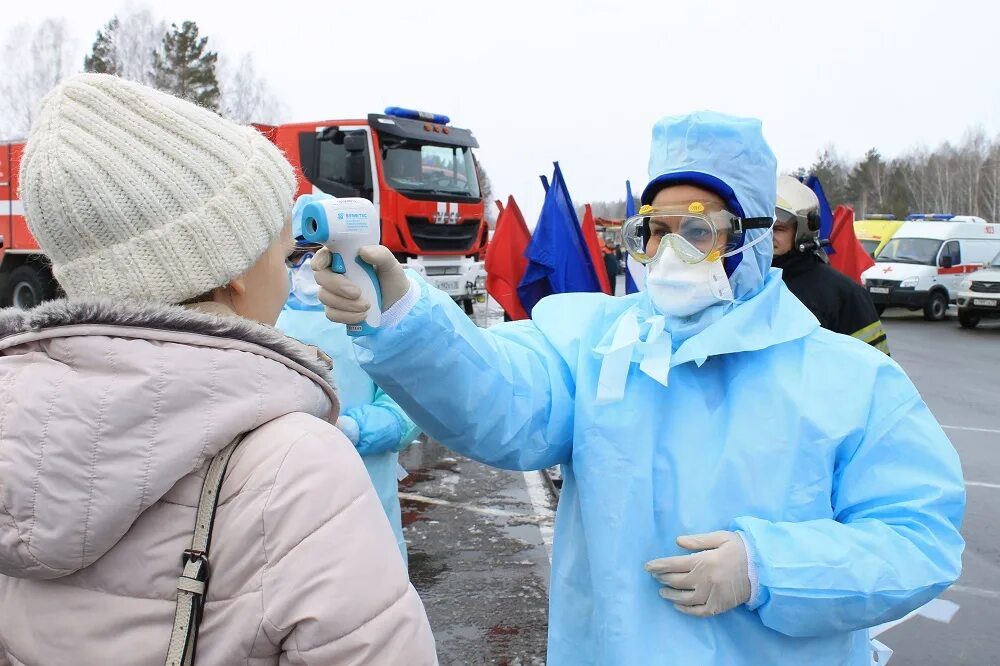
(696, 231)
(301, 254)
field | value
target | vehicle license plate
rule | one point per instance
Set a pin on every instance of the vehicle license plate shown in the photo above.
(984, 302)
(448, 285)
(879, 290)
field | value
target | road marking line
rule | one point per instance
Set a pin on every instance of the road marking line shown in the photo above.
(964, 428)
(983, 484)
(486, 511)
(976, 591)
(543, 509)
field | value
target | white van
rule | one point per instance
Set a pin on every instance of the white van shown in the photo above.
(979, 295)
(924, 263)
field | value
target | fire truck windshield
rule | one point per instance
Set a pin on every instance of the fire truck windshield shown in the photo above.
(428, 169)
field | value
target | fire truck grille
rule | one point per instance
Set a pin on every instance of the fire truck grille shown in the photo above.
(986, 287)
(443, 237)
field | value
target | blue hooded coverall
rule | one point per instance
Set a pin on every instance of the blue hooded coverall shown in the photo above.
(384, 429)
(814, 446)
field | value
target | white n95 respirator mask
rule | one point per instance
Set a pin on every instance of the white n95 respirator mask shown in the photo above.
(681, 289)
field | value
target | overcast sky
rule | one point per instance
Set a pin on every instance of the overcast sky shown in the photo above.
(583, 82)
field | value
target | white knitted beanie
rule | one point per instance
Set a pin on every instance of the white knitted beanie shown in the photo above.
(134, 194)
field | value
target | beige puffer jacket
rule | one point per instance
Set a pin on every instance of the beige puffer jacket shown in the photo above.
(108, 416)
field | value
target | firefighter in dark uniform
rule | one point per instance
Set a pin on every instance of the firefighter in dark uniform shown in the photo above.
(838, 302)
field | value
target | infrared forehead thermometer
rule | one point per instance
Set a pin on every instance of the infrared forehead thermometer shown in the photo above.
(345, 226)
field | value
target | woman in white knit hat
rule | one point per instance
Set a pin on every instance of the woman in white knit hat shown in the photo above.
(167, 226)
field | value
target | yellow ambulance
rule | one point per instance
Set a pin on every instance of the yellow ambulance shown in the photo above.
(875, 231)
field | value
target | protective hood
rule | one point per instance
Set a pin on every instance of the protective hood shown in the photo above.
(105, 406)
(729, 156)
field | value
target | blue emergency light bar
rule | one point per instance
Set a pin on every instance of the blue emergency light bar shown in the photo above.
(412, 114)
(930, 217)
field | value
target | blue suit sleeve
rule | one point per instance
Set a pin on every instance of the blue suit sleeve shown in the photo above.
(893, 543)
(502, 396)
(384, 426)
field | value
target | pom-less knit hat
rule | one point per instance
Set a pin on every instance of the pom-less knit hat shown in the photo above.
(134, 194)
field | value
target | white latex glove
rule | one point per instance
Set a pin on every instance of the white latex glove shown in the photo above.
(709, 582)
(350, 428)
(343, 300)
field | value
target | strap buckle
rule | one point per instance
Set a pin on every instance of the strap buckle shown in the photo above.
(191, 555)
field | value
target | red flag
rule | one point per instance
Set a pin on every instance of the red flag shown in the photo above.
(505, 261)
(594, 248)
(849, 256)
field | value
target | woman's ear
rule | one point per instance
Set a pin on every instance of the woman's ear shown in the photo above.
(238, 285)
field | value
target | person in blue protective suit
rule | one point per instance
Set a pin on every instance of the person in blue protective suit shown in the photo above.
(376, 425)
(740, 485)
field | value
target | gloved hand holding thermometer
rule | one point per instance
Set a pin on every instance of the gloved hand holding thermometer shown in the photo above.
(345, 226)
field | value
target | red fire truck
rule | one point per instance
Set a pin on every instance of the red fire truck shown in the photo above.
(416, 168)
(25, 279)
(420, 173)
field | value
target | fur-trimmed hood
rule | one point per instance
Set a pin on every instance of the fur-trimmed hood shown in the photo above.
(53, 314)
(105, 406)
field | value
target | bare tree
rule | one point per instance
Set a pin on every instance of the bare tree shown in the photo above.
(963, 179)
(914, 173)
(990, 184)
(138, 36)
(970, 157)
(246, 97)
(36, 58)
(941, 172)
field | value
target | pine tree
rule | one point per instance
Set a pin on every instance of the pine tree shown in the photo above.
(868, 183)
(832, 172)
(103, 58)
(185, 68)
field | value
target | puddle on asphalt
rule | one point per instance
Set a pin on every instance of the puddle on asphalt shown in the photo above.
(424, 569)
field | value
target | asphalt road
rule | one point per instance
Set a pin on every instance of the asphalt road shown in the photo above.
(958, 373)
(478, 552)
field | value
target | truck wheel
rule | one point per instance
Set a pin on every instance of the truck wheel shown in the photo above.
(467, 304)
(968, 319)
(28, 286)
(937, 307)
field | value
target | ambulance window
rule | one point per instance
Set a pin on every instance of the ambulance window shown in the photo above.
(870, 246)
(953, 250)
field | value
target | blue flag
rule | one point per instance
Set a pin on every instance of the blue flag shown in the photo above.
(630, 286)
(558, 259)
(825, 213)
